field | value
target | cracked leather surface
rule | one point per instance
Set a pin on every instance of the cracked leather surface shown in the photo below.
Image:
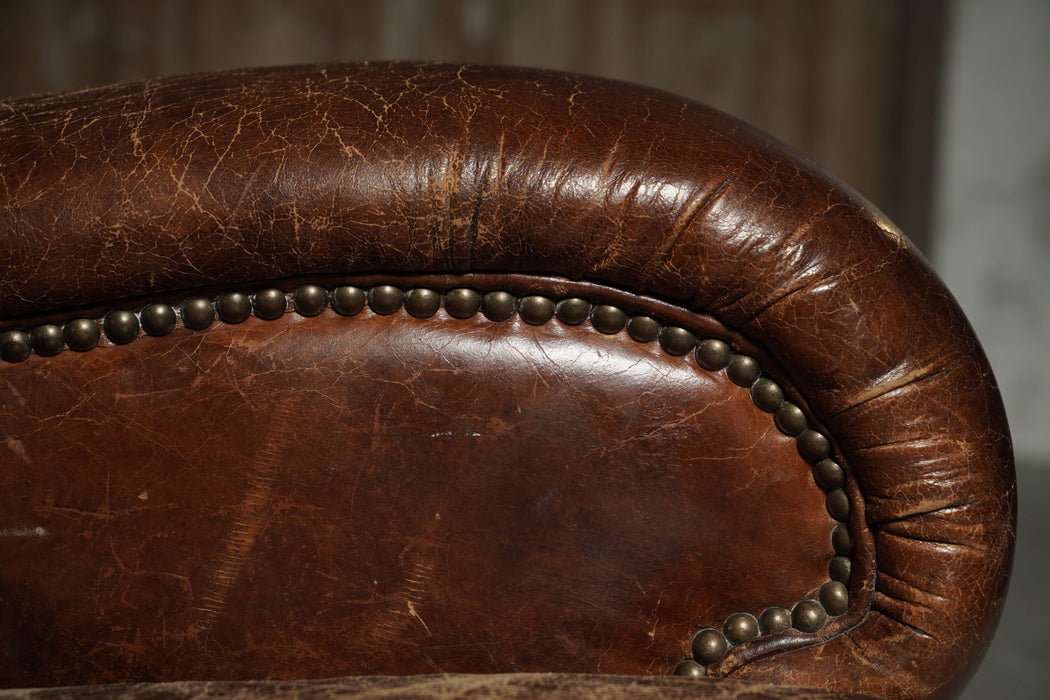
(155, 187)
(464, 495)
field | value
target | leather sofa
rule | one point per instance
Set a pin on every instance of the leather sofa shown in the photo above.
(400, 374)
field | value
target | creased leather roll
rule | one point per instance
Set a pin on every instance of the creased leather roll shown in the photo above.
(230, 180)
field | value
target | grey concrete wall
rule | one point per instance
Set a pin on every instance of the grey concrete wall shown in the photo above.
(991, 229)
(991, 232)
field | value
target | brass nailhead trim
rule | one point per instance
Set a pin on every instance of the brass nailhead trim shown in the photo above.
(713, 354)
(829, 475)
(809, 616)
(740, 627)
(573, 311)
(498, 306)
(608, 319)
(385, 299)
(82, 334)
(233, 307)
(462, 303)
(644, 329)
(535, 310)
(840, 569)
(348, 301)
(708, 645)
(422, 303)
(689, 669)
(158, 319)
(773, 620)
(677, 341)
(841, 540)
(122, 326)
(309, 299)
(743, 370)
(834, 596)
(197, 313)
(47, 339)
(14, 346)
(269, 304)
(790, 419)
(767, 394)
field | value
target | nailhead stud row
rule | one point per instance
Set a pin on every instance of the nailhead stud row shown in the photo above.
(121, 326)
(809, 615)
(708, 645)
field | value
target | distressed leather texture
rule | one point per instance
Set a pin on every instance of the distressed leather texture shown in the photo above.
(312, 497)
(439, 486)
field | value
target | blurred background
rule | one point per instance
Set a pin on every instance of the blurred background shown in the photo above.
(936, 110)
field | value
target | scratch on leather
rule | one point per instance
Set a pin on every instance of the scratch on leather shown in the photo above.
(250, 520)
(414, 589)
(410, 594)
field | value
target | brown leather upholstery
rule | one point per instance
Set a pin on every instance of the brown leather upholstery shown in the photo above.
(537, 474)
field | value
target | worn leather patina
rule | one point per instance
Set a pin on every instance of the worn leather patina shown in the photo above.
(305, 495)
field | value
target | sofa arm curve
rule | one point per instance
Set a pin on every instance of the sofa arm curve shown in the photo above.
(222, 179)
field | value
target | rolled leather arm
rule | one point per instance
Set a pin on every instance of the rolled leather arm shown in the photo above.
(165, 185)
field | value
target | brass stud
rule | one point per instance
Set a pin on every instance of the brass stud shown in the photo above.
(348, 301)
(676, 341)
(269, 304)
(197, 313)
(713, 354)
(790, 419)
(422, 303)
(233, 307)
(709, 645)
(809, 616)
(841, 541)
(834, 597)
(82, 334)
(644, 329)
(813, 446)
(158, 319)
(121, 326)
(840, 569)
(462, 303)
(535, 310)
(498, 306)
(47, 339)
(608, 319)
(309, 299)
(743, 370)
(829, 475)
(14, 346)
(385, 299)
(767, 394)
(689, 669)
(740, 627)
(838, 505)
(773, 620)
(574, 311)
